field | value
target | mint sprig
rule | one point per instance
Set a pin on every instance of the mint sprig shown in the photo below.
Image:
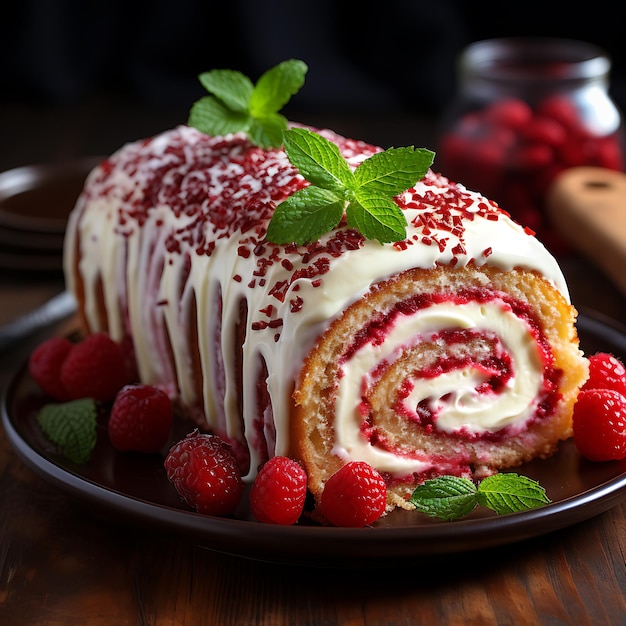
(365, 194)
(71, 426)
(237, 104)
(451, 497)
(509, 493)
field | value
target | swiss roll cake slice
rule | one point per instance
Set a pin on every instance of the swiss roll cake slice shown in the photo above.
(453, 350)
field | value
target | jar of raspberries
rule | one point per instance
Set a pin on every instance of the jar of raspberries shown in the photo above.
(526, 109)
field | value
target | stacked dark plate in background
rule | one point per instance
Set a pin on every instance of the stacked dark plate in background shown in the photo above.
(35, 202)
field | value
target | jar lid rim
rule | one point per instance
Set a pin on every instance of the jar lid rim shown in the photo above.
(521, 57)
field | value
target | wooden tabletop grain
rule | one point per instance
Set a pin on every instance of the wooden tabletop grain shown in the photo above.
(62, 564)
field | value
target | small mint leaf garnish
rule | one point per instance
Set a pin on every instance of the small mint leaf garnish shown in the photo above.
(446, 497)
(267, 131)
(365, 194)
(237, 104)
(71, 426)
(451, 498)
(509, 493)
(211, 116)
(276, 87)
(305, 216)
(395, 170)
(318, 160)
(232, 88)
(373, 213)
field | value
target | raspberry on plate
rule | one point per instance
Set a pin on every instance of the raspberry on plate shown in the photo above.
(45, 363)
(141, 419)
(599, 424)
(606, 371)
(355, 495)
(203, 469)
(279, 491)
(94, 368)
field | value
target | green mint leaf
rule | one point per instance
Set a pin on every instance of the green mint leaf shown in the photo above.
(394, 171)
(233, 88)
(368, 191)
(267, 131)
(212, 117)
(238, 105)
(376, 217)
(305, 216)
(450, 498)
(509, 493)
(71, 426)
(276, 86)
(445, 497)
(318, 160)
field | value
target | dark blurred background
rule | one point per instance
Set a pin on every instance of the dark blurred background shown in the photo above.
(82, 78)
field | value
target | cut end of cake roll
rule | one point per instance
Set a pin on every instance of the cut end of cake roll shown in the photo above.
(439, 372)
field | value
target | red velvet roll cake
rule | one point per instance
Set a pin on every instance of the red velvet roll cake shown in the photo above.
(451, 352)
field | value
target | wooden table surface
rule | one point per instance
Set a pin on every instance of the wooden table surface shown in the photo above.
(60, 565)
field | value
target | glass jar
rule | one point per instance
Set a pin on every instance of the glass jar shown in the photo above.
(526, 109)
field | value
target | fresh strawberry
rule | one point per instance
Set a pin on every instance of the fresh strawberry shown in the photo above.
(599, 424)
(45, 364)
(141, 419)
(354, 496)
(278, 492)
(204, 471)
(94, 368)
(606, 371)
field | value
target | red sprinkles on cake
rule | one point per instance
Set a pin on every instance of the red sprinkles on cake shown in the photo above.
(224, 187)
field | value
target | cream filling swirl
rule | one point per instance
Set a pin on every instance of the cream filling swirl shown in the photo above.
(454, 398)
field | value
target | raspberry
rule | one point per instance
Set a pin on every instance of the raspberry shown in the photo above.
(141, 419)
(204, 471)
(278, 492)
(606, 372)
(544, 130)
(599, 424)
(354, 496)
(533, 156)
(45, 364)
(512, 112)
(560, 108)
(94, 368)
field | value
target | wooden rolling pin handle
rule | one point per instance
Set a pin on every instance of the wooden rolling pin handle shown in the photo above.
(587, 206)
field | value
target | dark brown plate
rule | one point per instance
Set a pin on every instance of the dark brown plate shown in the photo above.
(134, 488)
